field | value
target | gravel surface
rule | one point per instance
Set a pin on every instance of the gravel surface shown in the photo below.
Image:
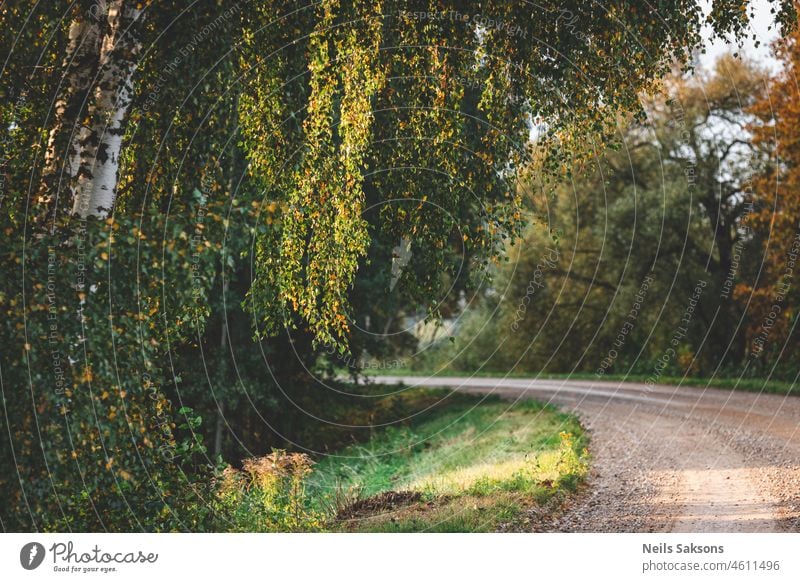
(670, 459)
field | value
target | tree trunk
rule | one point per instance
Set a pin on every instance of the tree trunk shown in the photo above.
(102, 143)
(222, 368)
(225, 337)
(220, 429)
(80, 64)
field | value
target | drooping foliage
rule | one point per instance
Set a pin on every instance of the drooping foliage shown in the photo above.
(428, 114)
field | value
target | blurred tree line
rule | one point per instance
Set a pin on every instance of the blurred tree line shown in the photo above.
(673, 252)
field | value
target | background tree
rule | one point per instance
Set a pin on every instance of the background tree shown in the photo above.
(613, 263)
(771, 340)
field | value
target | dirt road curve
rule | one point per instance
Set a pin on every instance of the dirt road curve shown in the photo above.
(671, 459)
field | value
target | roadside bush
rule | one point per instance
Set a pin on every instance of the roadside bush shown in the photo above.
(572, 465)
(267, 495)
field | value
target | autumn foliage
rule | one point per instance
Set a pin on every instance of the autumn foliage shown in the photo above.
(772, 300)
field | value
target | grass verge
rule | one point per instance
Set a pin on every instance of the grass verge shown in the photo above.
(745, 384)
(473, 464)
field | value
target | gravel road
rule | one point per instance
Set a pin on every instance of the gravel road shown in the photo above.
(670, 459)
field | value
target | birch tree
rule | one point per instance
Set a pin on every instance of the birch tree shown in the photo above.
(98, 172)
(81, 164)
(79, 68)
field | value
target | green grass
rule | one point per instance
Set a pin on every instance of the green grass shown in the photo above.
(745, 384)
(475, 462)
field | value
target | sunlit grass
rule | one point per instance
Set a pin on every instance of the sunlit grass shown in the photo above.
(477, 462)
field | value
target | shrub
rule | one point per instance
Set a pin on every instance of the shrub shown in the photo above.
(572, 466)
(267, 495)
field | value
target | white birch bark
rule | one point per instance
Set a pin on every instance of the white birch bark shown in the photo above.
(102, 144)
(80, 63)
